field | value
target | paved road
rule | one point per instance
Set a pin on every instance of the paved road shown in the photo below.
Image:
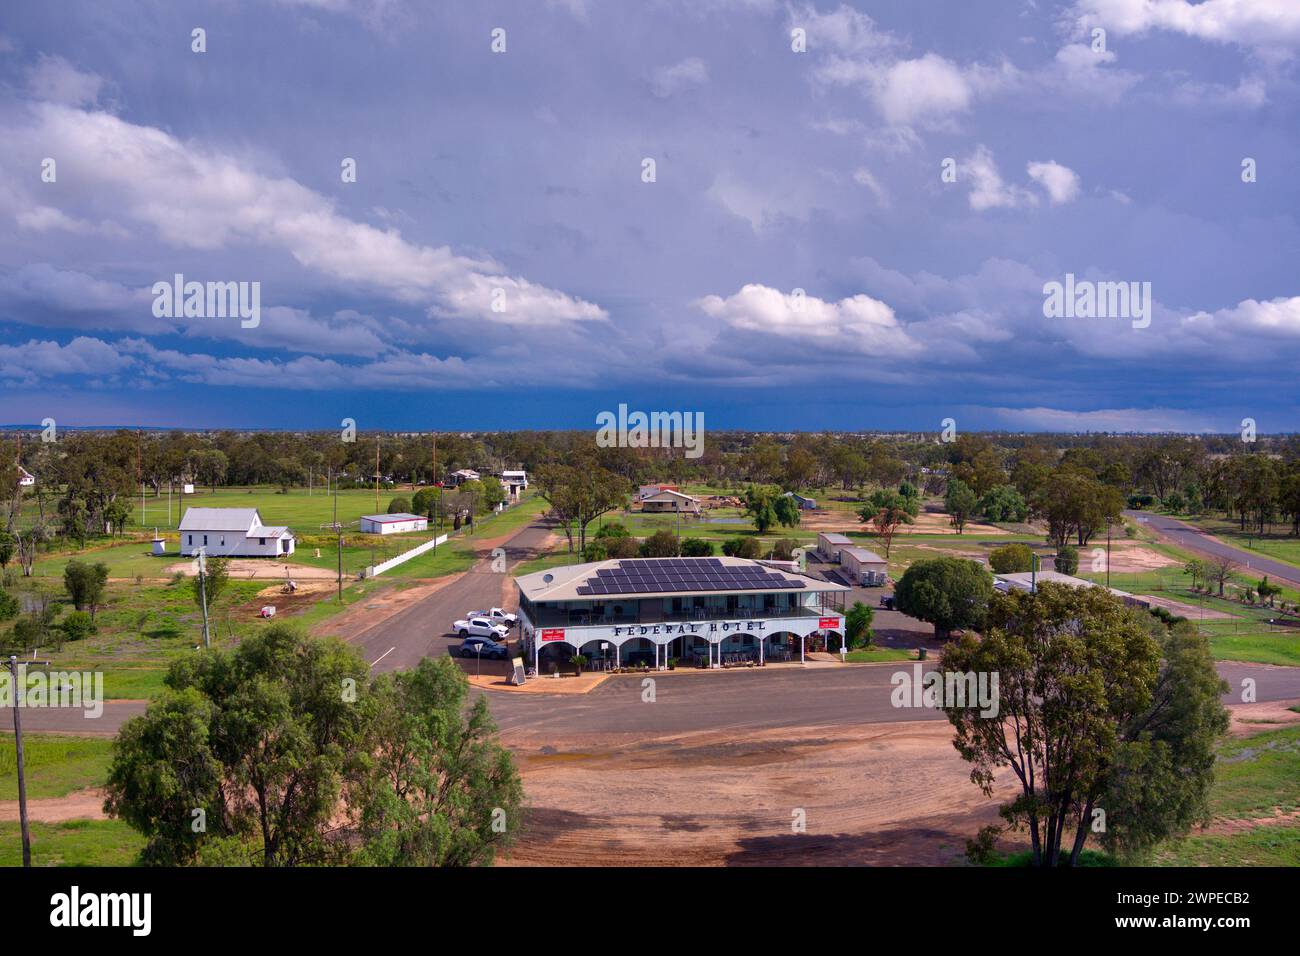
(785, 697)
(1195, 539)
(696, 700)
(398, 642)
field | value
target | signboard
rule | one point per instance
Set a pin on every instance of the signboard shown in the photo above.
(552, 634)
(517, 671)
(829, 624)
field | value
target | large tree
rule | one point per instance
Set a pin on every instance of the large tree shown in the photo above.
(435, 787)
(1106, 726)
(258, 739)
(579, 494)
(949, 593)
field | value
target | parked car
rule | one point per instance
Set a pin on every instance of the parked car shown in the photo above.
(480, 627)
(887, 602)
(483, 647)
(496, 615)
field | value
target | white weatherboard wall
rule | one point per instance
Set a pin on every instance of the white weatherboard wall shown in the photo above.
(405, 556)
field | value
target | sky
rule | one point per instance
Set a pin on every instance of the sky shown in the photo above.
(784, 215)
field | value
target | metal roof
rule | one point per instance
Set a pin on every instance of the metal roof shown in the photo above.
(219, 519)
(395, 516)
(663, 577)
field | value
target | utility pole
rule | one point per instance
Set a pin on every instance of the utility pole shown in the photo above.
(1107, 552)
(338, 530)
(18, 747)
(376, 474)
(203, 598)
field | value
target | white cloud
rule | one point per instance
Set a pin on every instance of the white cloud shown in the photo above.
(669, 80)
(988, 190)
(199, 198)
(860, 322)
(863, 177)
(53, 79)
(1061, 182)
(1250, 23)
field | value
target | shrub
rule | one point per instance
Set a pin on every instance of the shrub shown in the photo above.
(8, 606)
(77, 626)
(742, 548)
(1067, 559)
(697, 548)
(399, 506)
(661, 544)
(1011, 558)
(783, 549)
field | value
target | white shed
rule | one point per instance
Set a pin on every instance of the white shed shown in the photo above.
(863, 567)
(829, 544)
(393, 523)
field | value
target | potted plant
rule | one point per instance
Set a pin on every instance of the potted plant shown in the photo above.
(578, 660)
(672, 663)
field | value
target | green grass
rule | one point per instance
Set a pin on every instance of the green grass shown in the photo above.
(54, 765)
(74, 843)
(1262, 846)
(143, 628)
(1253, 777)
(1255, 774)
(870, 655)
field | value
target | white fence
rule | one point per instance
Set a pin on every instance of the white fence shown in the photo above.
(405, 556)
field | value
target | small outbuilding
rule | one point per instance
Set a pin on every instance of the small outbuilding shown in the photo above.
(393, 523)
(863, 567)
(829, 544)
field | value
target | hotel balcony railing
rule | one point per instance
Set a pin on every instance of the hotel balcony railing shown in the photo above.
(553, 617)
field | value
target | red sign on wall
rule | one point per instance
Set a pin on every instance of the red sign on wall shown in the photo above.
(828, 624)
(552, 634)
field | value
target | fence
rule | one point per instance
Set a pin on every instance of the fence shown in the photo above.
(405, 556)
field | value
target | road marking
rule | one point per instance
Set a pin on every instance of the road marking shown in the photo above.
(382, 656)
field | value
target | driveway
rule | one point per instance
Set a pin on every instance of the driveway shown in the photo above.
(424, 628)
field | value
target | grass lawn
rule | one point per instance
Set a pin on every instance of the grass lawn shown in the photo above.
(74, 843)
(1253, 776)
(54, 765)
(870, 655)
(143, 627)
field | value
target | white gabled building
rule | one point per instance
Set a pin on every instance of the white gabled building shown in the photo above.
(514, 482)
(25, 478)
(232, 532)
(393, 523)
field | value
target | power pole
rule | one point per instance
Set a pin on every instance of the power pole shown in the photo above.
(18, 747)
(203, 598)
(376, 474)
(338, 530)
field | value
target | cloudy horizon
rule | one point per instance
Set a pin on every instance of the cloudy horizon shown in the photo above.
(785, 215)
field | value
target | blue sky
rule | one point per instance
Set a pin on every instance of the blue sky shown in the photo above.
(515, 179)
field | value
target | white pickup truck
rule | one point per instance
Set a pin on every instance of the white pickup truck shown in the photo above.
(496, 615)
(478, 626)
